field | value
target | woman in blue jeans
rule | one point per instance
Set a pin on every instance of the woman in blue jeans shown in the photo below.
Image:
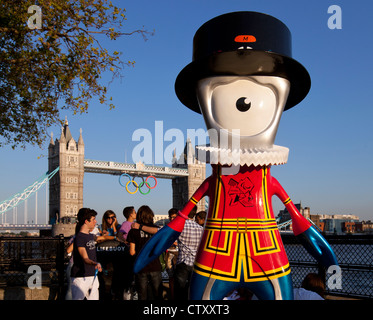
(150, 275)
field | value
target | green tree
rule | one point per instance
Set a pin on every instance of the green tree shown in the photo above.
(51, 53)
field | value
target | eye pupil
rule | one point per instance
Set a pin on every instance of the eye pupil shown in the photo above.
(241, 105)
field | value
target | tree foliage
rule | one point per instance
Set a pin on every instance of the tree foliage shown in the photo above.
(62, 62)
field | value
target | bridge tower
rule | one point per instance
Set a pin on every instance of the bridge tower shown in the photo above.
(66, 187)
(184, 187)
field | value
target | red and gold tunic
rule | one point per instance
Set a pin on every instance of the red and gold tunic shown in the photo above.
(241, 241)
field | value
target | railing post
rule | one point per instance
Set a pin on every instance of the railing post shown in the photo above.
(60, 257)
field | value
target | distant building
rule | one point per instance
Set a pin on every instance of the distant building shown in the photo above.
(342, 216)
(335, 223)
(367, 226)
(319, 223)
(340, 223)
(284, 215)
(161, 219)
(348, 227)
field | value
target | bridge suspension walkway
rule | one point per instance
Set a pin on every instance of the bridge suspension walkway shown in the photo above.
(20, 197)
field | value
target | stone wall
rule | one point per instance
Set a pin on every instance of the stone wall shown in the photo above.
(67, 229)
(25, 293)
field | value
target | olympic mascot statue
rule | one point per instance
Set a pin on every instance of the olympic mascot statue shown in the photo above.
(241, 79)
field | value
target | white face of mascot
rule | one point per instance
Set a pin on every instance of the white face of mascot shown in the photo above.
(244, 111)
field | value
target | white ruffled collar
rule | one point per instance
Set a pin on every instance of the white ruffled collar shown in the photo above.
(256, 156)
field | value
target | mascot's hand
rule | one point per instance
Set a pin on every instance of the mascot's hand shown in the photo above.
(318, 247)
(159, 243)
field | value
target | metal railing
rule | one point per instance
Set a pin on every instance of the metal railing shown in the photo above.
(354, 254)
(355, 258)
(18, 254)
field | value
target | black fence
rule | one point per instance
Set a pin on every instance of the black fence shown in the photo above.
(20, 255)
(355, 258)
(354, 254)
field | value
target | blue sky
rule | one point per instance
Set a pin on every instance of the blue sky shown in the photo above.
(329, 134)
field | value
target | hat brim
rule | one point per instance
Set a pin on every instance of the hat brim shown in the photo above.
(243, 62)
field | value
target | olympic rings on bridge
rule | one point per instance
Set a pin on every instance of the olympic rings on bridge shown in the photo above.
(138, 186)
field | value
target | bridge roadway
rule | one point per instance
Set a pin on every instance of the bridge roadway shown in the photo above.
(138, 169)
(18, 227)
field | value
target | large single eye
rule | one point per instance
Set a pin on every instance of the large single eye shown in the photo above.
(245, 105)
(241, 104)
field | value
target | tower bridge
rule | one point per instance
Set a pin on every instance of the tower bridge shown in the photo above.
(66, 169)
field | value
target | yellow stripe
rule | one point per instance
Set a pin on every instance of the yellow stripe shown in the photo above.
(268, 275)
(217, 194)
(265, 193)
(206, 271)
(193, 200)
(288, 200)
(222, 276)
(241, 224)
(269, 249)
(242, 267)
(227, 245)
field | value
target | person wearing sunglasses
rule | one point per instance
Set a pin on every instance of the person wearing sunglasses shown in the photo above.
(109, 225)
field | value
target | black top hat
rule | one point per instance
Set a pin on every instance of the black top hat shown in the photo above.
(242, 43)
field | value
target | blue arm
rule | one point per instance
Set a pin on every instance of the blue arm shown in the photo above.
(159, 243)
(318, 247)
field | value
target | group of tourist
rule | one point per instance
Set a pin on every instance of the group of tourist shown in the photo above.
(134, 232)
